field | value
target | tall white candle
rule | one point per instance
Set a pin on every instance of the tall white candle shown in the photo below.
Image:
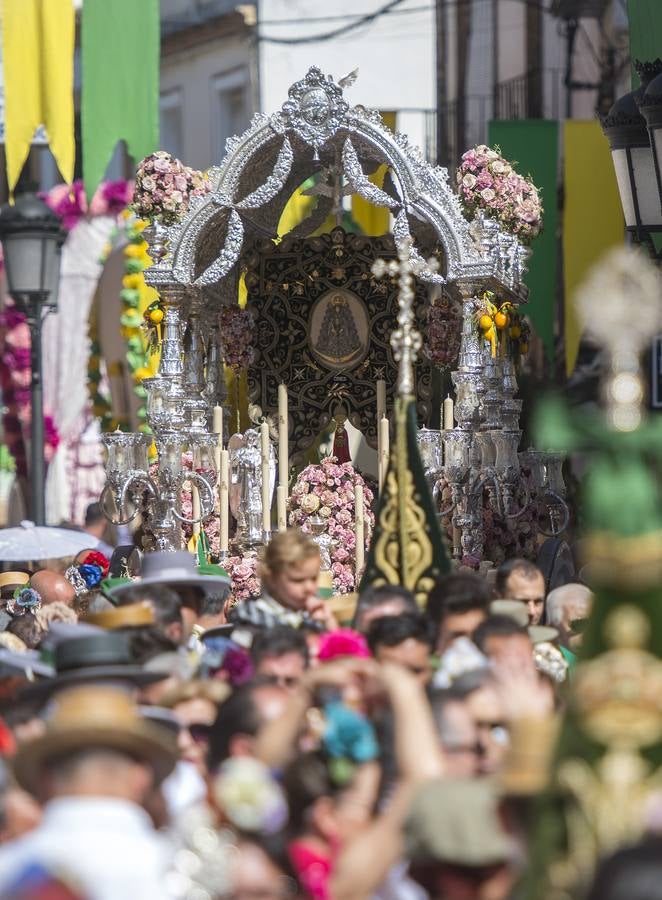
(224, 482)
(381, 399)
(449, 422)
(359, 531)
(195, 503)
(218, 423)
(383, 450)
(283, 440)
(266, 492)
(281, 506)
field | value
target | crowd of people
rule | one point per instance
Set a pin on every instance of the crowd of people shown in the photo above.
(160, 741)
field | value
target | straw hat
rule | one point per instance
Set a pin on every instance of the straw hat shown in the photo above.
(9, 581)
(133, 615)
(96, 717)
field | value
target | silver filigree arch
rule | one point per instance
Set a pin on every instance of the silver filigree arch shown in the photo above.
(279, 151)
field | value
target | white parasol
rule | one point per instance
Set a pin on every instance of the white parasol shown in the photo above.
(32, 542)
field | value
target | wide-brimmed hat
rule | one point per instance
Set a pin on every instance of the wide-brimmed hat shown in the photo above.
(95, 657)
(174, 570)
(96, 716)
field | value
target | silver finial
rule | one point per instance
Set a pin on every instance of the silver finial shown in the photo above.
(406, 341)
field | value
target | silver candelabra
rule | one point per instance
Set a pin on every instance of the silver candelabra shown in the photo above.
(180, 400)
(479, 457)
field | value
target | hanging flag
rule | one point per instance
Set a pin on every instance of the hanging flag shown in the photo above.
(407, 548)
(592, 216)
(38, 62)
(120, 77)
(374, 220)
(533, 145)
(645, 19)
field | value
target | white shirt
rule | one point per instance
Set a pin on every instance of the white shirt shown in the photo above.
(107, 847)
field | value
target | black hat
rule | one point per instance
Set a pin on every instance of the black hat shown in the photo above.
(90, 658)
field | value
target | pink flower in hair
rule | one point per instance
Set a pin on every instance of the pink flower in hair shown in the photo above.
(342, 642)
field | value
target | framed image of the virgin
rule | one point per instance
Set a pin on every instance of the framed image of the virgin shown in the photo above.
(323, 328)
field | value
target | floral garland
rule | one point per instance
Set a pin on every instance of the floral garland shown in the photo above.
(243, 575)
(488, 182)
(137, 298)
(237, 331)
(164, 188)
(15, 377)
(327, 490)
(444, 332)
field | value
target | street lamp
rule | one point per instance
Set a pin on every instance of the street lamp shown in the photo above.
(633, 160)
(32, 240)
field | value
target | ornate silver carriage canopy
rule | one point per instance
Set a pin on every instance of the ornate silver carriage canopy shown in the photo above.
(316, 128)
(232, 231)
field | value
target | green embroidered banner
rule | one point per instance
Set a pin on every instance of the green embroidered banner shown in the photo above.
(533, 145)
(120, 43)
(645, 32)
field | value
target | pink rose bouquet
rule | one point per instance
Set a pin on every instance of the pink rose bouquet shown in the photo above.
(236, 334)
(327, 490)
(164, 188)
(486, 181)
(243, 575)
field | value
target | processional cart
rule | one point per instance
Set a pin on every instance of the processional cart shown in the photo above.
(321, 354)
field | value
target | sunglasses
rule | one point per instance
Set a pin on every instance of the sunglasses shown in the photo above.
(199, 731)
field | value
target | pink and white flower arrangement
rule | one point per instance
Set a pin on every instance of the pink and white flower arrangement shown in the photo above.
(243, 575)
(236, 335)
(164, 188)
(327, 490)
(486, 181)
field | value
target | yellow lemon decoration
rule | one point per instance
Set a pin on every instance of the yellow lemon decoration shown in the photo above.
(485, 323)
(156, 316)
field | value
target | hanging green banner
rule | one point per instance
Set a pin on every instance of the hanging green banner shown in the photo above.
(645, 32)
(533, 145)
(120, 43)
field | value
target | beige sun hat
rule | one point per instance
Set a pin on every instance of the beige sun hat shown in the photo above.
(133, 615)
(95, 717)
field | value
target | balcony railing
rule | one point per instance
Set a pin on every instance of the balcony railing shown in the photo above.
(536, 94)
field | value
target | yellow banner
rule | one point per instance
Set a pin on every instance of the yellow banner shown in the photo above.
(592, 217)
(38, 62)
(374, 220)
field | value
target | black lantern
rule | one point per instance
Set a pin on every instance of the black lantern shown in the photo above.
(32, 241)
(633, 160)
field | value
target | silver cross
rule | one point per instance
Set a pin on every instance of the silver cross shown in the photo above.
(406, 340)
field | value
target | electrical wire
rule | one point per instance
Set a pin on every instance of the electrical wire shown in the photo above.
(387, 9)
(336, 32)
